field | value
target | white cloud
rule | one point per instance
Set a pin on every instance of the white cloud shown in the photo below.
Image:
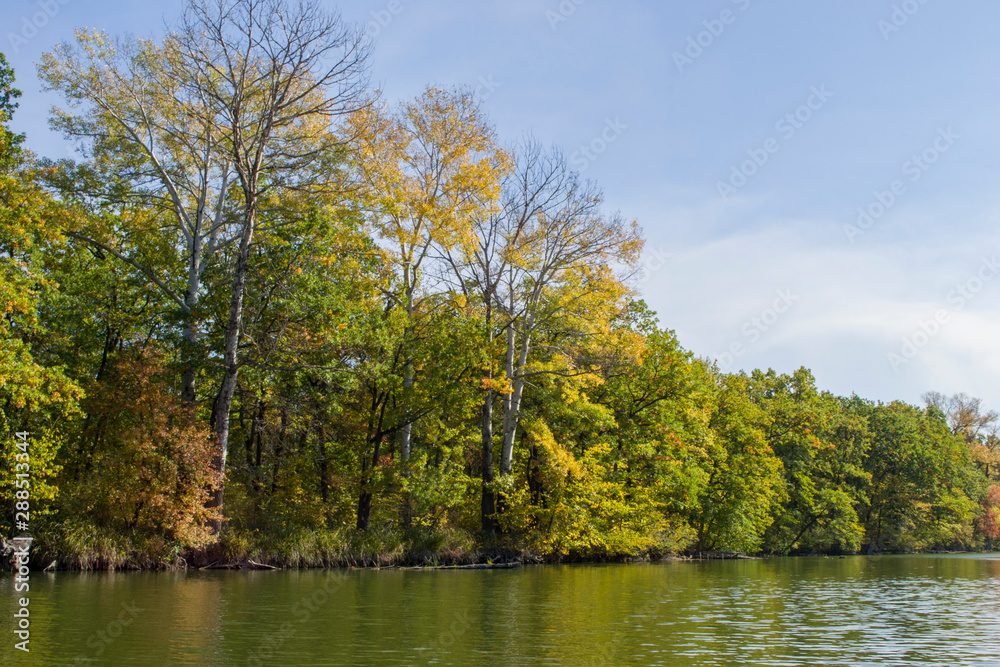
(855, 305)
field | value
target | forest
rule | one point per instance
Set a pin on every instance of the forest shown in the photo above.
(267, 314)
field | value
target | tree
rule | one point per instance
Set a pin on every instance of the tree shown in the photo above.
(442, 359)
(988, 521)
(534, 187)
(29, 222)
(426, 170)
(977, 426)
(919, 496)
(35, 398)
(822, 451)
(562, 272)
(152, 142)
(253, 89)
(148, 470)
(966, 416)
(313, 305)
(542, 253)
(742, 476)
(662, 401)
(272, 78)
(613, 455)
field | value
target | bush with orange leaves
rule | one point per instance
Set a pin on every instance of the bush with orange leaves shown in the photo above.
(144, 468)
(988, 523)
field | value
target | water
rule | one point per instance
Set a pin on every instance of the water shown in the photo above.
(922, 610)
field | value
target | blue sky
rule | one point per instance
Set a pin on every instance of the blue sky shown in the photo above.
(804, 112)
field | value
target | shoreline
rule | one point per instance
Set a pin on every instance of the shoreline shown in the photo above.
(484, 562)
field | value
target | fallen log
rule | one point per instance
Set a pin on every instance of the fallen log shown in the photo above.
(220, 566)
(243, 565)
(252, 565)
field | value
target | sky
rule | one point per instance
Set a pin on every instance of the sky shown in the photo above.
(816, 180)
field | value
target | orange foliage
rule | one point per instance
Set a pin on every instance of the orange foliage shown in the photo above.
(149, 467)
(989, 521)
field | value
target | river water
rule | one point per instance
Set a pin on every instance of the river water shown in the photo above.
(885, 610)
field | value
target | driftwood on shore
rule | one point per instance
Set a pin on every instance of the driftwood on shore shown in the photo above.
(253, 565)
(477, 566)
(721, 555)
(243, 565)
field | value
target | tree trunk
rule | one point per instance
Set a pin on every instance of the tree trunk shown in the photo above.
(189, 344)
(512, 416)
(405, 446)
(373, 442)
(365, 496)
(279, 451)
(188, 371)
(534, 475)
(406, 433)
(224, 402)
(324, 468)
(364, 509)
(488, 506)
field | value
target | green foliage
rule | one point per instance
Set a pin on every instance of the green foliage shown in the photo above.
(35, 397)
(922, 479)
(36, 452)
(388, 331)
(742, 476)
(29, 222)
(821, 451)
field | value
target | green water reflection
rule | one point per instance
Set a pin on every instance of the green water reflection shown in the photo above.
(812, 611)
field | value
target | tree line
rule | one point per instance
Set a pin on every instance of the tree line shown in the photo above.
(270, 313)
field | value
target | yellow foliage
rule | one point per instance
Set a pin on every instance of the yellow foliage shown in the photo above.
(424, 169)
(558, 459)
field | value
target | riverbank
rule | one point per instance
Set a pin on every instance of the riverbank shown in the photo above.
(340, 550)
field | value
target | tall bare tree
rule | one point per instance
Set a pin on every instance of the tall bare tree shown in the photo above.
(966, 415)
(542, 252)
(534, 187)
(274, 76)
